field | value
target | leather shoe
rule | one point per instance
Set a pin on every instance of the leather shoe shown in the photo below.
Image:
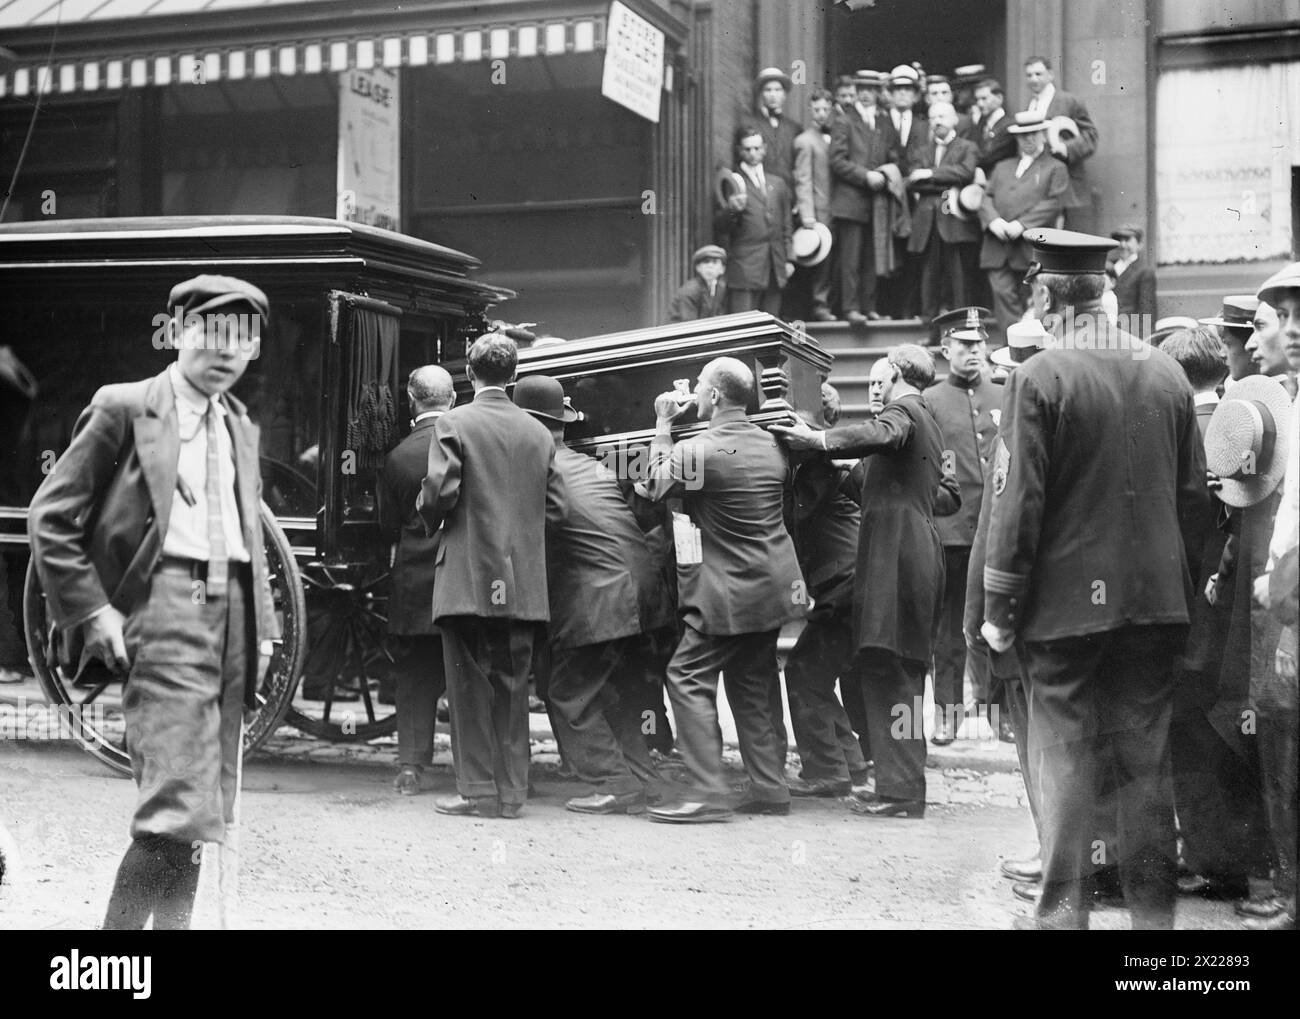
(690, 813)
(882, 807)
(823, 315)
(779, 808)
(1030, 871)
(407, 782)
(510, 811)
(855, 318)
(1283, 921)
(1208, 887)
(943, 734)
(607, 803)
(479, 806)
(819, 787)
(1258, 908)
(1025, 890)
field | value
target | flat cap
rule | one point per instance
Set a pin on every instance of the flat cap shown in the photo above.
(708, 251)
(206, 293)
(1067, 252)
(1128, 230)
(1287, 278)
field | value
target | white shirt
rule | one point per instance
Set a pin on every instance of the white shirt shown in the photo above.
(427, 414)
(1043, 100)
(994, 117)
(1123, 263)
(903, 122)
(756, 175)
(187, 526)
(868, 114)
(1023, 165)
(1201, 399)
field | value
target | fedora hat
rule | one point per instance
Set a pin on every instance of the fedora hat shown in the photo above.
(1027, 122)
(1246, 440)
(543, 397)
(811, 244)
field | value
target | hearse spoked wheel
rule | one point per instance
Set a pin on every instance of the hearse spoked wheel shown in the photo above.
(92, 713)
(349, 657)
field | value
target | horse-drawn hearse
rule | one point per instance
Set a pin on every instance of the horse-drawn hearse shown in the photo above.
(353, 310)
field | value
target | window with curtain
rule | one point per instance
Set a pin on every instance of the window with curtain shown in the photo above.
(1226, 139)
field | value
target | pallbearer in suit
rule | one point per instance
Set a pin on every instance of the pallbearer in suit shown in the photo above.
(754, 227)
(1088, 570)
(943, 237)
(898, 583)
(415, 639)
(596, 564)
(738, 584)
(492, 485)
(148, 544)
(1023, 193)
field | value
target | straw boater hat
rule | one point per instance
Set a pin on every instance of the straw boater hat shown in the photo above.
(1287, 278)
(1021, 336)
(905, 74)
(875, 79)
(773, 74)
(1238, 313)
(1027, 122)
(1247, 438)
(811, 244)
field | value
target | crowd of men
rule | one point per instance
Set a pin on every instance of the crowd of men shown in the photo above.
(907, 195)
(1112, 533)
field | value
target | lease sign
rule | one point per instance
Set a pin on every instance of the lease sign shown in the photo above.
(634, 62)
(369, 148)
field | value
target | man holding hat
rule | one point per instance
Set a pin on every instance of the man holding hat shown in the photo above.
(754, 226)
(812, 192)
(901, 291)
(1057, 107)
(1135, 281)
(864, 158)
(1024, 192)
(148, 544)
(595, 565)
(778, 130)
(967, 406)
(1099, 505)
(705, 293)
(1235, 323)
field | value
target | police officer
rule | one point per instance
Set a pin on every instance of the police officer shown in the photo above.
(1099, 494)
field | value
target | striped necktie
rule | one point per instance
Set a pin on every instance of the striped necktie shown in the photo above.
(218, 565)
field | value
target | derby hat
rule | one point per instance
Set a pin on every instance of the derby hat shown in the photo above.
(1246, 440)
(543, 397)
(811, 244)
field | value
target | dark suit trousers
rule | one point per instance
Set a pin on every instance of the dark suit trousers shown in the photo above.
(856, 244)
(768, 300)
(183, 704)
(1100, 708)
(421, 680)
(1009, 301)
(487, 662)
(1216, 789)
(950, 654)
(1015, 701)
(898, 743)
(598, 715)
(827, 746)
(945, 269)
(748, 664)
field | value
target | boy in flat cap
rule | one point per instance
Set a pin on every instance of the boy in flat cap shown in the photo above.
(148, 545)
(705, 293)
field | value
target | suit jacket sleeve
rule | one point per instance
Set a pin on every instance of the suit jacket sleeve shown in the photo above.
(842, 166)
(1084, 144)
(557, 498)
(686, 306)
(1019, 494)
(787, 230)
(62, 512)
(440, 490)
(947, 496)
(891, 429)
(665, 476)
(1045, 211)
(1194, 507)
(803, 180)
(989, 211)
(1146, 293)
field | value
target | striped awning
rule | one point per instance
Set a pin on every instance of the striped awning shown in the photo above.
(176, 63)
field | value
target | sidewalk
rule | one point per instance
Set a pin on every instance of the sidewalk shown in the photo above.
(976, 750)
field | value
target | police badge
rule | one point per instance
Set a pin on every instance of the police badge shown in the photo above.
(1001, 464)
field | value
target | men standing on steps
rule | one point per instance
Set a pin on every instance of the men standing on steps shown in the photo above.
(595, 563)
(421, 680)
(738, 583)
(493, 487)
(754, 227)
(967, 406)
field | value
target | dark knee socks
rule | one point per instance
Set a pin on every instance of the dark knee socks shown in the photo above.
(157, 876)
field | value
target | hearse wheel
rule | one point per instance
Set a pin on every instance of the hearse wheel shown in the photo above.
(347, 607)
(97, 724)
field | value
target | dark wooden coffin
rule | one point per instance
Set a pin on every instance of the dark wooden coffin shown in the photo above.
(613, 379)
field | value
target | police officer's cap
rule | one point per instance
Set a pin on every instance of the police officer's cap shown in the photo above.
(1068, 252)
(965, 324)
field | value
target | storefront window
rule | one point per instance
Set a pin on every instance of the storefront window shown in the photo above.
(1226, 142)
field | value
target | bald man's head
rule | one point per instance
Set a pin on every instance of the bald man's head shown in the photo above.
(733, 380)
(430, 388)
